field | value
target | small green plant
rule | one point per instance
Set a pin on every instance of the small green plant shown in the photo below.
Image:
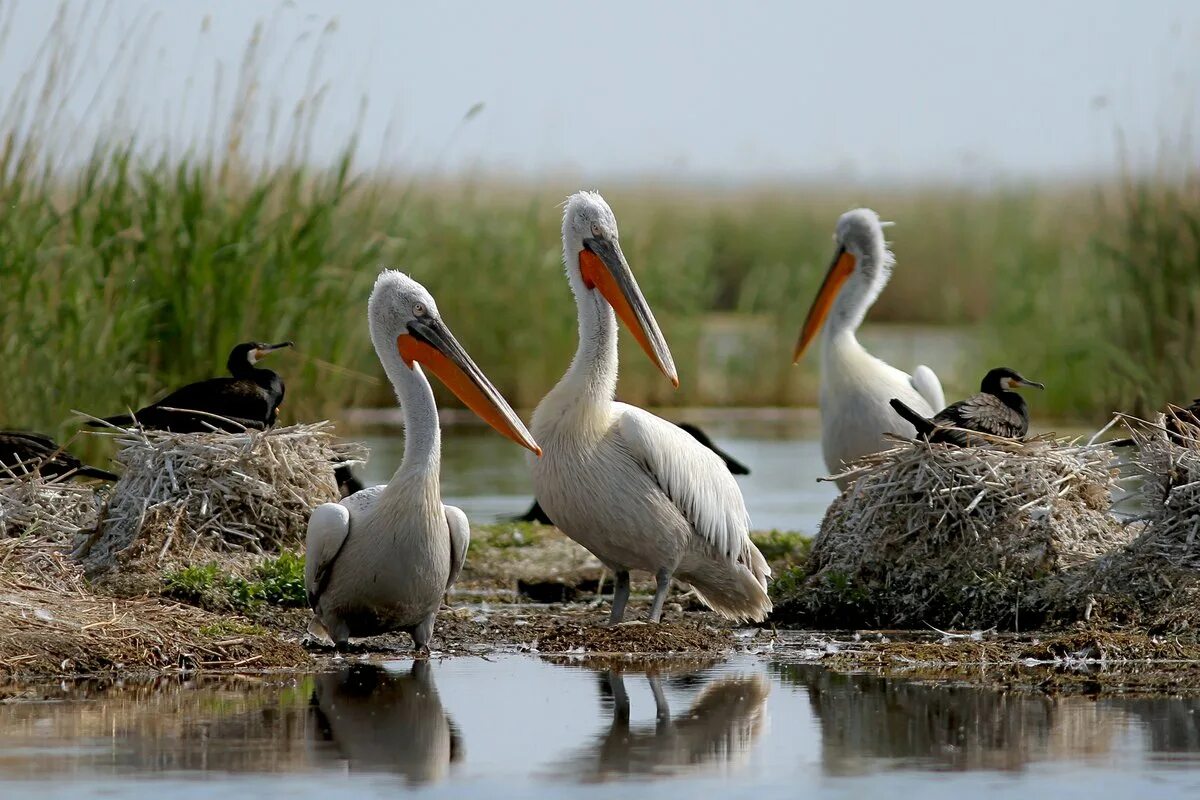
(277, 581)
(509, 534)
(281, 580)
(193, 585)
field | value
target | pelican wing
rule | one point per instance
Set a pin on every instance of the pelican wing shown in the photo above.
(328, 527)
(692, 476)
(460, 539)
(926, 382)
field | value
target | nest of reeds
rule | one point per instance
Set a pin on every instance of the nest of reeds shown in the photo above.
(1154, 582)
(191, 494)
(966, 537)
(49, 508)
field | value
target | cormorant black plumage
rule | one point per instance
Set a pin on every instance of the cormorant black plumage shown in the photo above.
(1183, 424)
(996, 411)
(536, 514)
(22, 452)
(250, 398)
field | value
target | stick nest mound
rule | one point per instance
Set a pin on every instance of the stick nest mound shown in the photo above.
(1154, 582)
(971, 537)
(56, 508)
(185, 495)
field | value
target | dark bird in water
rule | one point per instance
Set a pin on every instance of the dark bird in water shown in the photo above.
(22, 452)
(249, 399)
(536, 514)
(996, 410)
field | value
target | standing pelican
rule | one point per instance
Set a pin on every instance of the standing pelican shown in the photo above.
(856, 387)
(381, 559)
(635, 490)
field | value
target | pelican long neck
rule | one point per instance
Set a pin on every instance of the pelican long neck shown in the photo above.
(422, 433)
(592, 376)
(855, 299)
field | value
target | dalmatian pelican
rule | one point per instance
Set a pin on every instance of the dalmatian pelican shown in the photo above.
(857, 387)
(381, 559)
(632, 488)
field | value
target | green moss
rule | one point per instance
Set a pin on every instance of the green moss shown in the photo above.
(508, 534)
(229, 628)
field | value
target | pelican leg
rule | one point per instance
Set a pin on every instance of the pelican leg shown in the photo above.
(620, 701)
(663, 576)
(662, 711)
(620, 595)
(422, 634)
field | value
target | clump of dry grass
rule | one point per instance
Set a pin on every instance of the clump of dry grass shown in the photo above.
(974, 537)
(1154, 582)
(31, 505)
(215, 492)
(53, 624)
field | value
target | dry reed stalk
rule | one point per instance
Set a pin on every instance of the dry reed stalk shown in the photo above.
(48, 508)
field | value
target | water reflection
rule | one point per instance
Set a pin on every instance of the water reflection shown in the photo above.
(380, 720)
(718, 729)
(867, 721)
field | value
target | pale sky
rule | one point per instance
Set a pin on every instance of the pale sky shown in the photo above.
(872, 91)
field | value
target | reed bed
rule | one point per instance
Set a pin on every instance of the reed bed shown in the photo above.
(184, 494)
(973, 537)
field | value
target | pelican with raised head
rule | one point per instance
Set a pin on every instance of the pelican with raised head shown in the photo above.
(382, 559)
(857, 387)
(632, 488)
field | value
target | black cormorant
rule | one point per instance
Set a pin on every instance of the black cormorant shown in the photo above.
(249, 399)
(996, 411)
(22, 452)
(536, 514)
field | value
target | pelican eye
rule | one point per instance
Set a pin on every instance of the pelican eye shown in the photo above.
(419, 310)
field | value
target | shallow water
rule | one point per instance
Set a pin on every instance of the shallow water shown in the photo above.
(521, 726)
(487, 476)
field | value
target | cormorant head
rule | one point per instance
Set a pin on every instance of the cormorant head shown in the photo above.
(1003, 379)
(247, 354)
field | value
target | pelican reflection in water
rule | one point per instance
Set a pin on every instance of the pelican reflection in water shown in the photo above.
(381, 720)
(718, 729)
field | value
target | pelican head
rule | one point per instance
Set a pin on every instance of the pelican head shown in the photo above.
(860, 269)
(405, 326)
(595, 263)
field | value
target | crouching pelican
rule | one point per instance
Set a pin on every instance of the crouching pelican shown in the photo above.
(635, 490)
(856, 387)
(381, 559)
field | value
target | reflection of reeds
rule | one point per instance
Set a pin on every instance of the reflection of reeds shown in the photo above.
(865, 719)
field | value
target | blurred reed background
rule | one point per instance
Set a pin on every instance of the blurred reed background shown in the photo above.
(129, 271)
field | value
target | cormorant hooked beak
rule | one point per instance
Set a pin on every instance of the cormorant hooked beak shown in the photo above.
(430, 343)
(1019, 381)
(259, 352)
(841, 268)
(604, 268)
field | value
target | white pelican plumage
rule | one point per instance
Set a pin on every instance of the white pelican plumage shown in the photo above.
(382, 559)
(635, 490)
(856, 387)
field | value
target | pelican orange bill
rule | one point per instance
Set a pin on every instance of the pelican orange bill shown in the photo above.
(604, 268)
(841, 269)
(431, 344)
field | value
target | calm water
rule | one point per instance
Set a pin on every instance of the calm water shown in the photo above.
(487, 476)
(523, 727)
